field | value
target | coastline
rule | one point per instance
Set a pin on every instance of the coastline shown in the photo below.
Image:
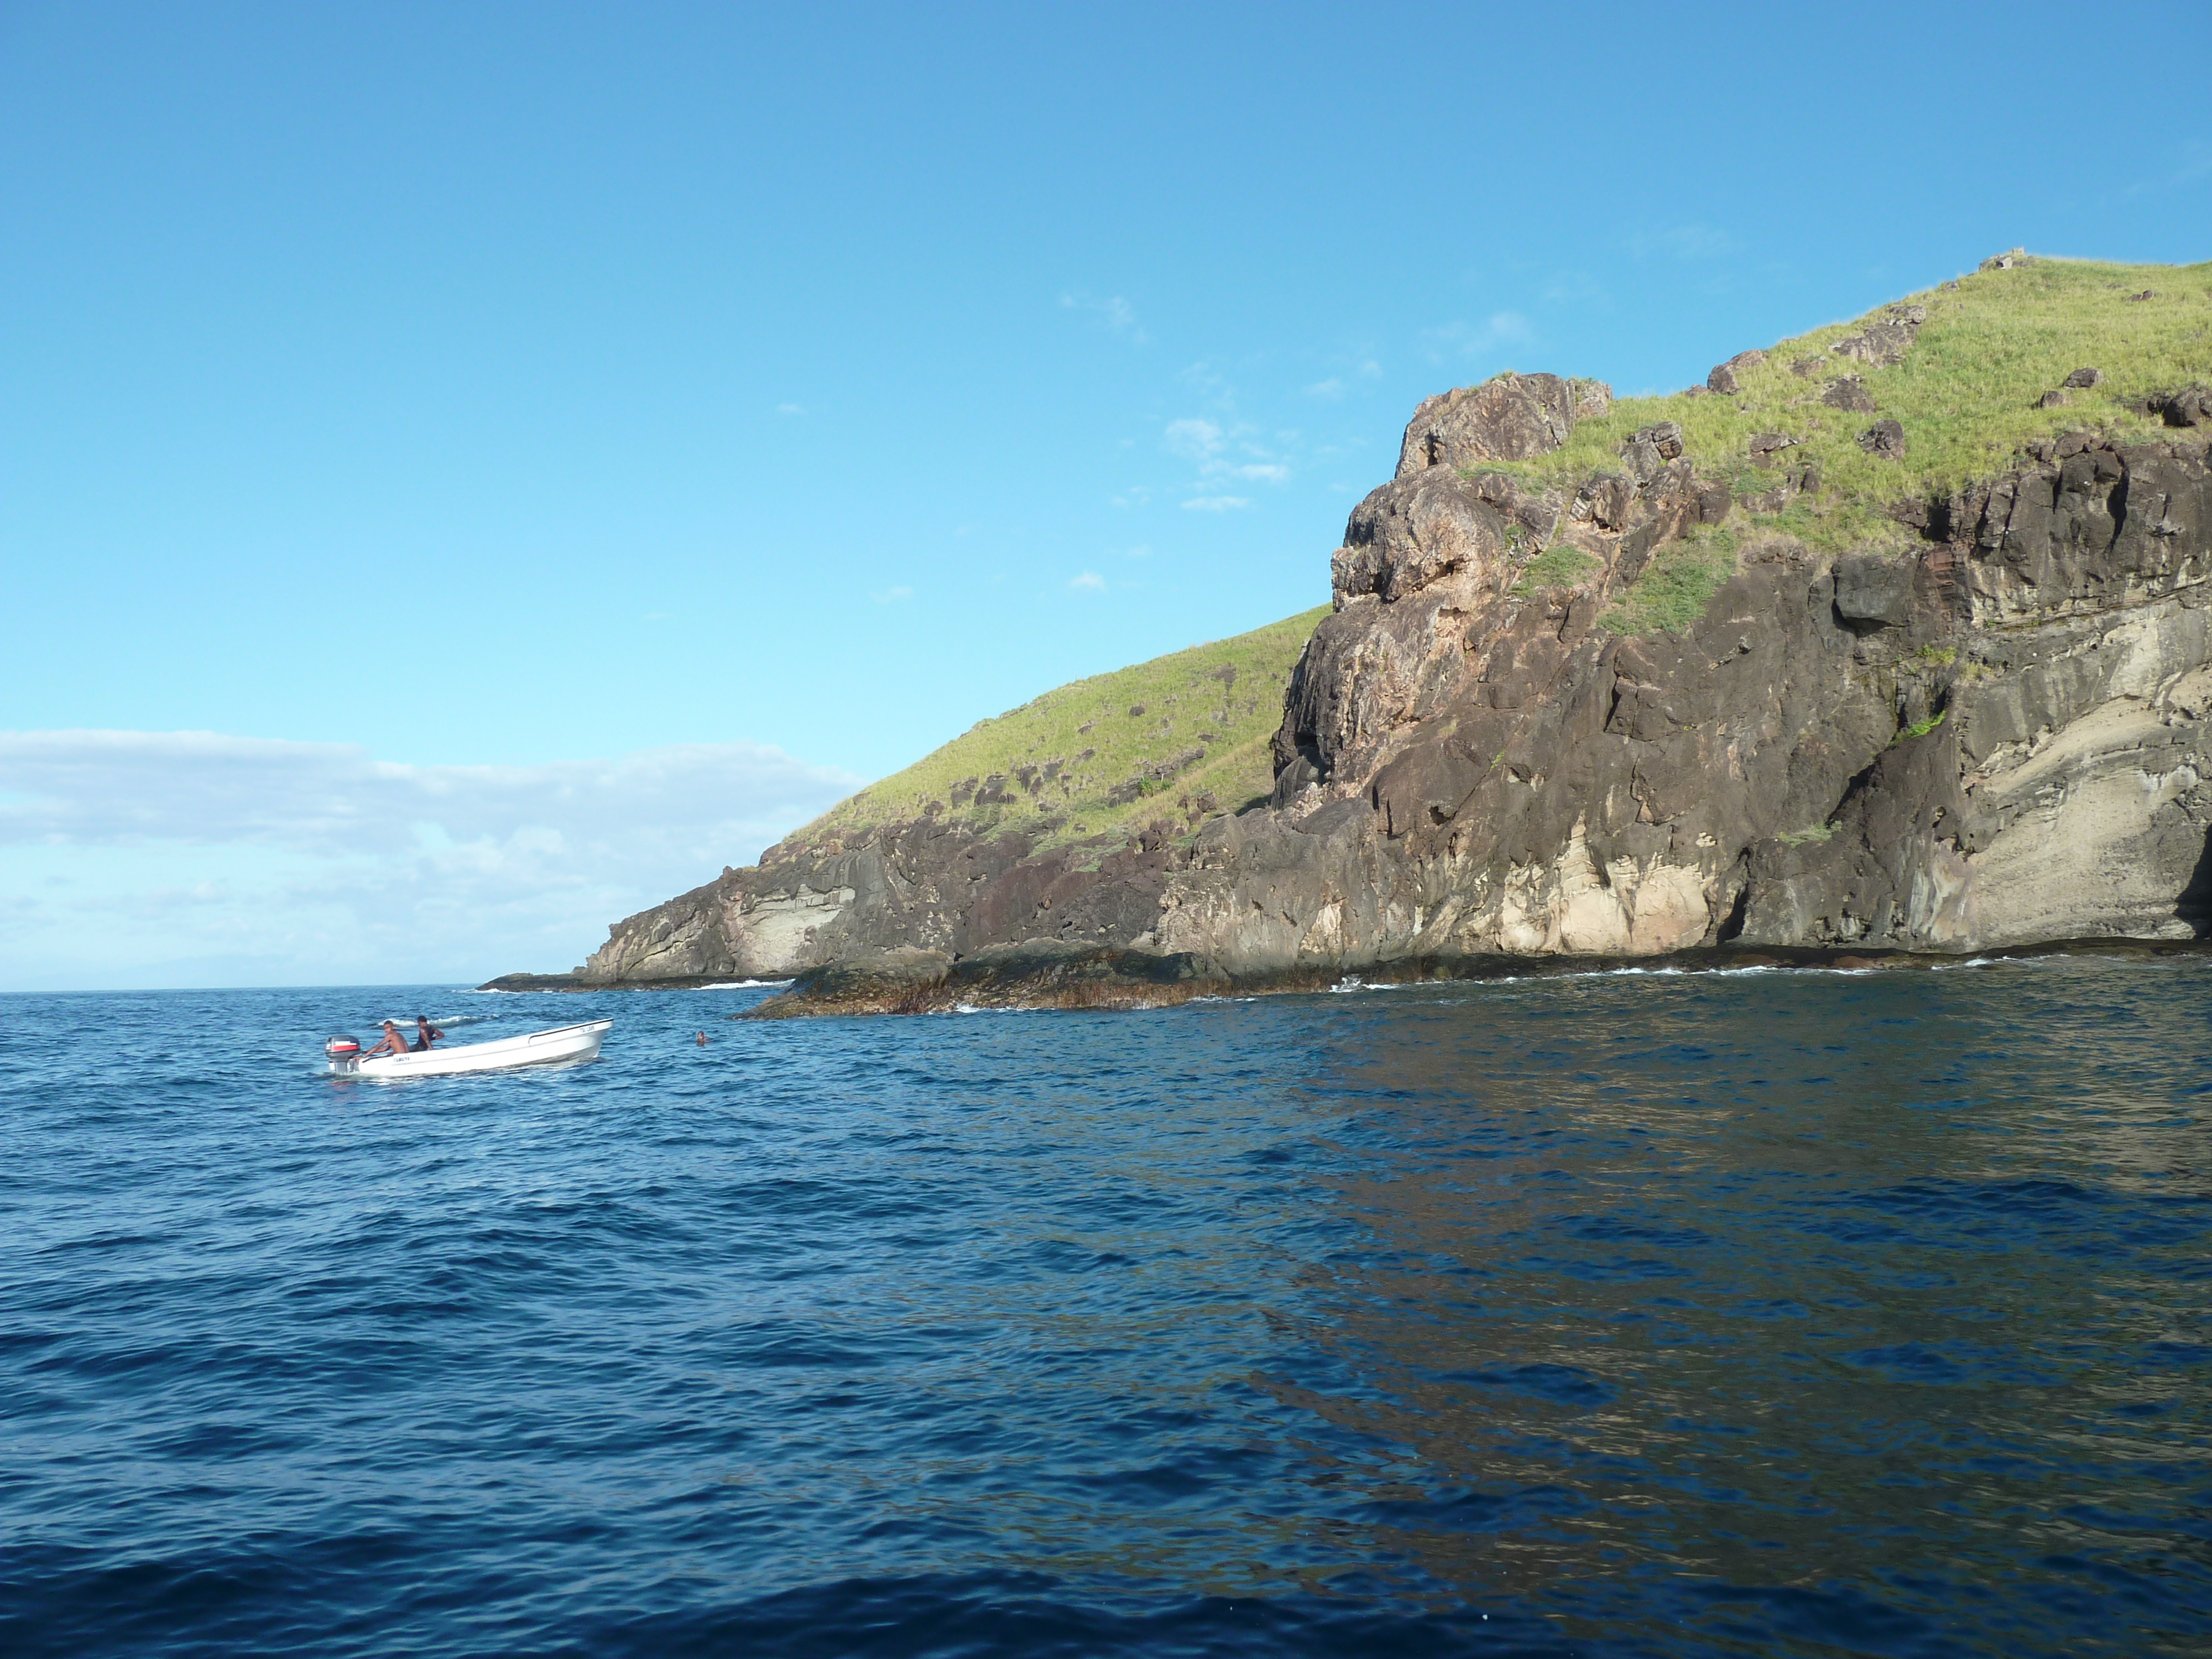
(1047, 976)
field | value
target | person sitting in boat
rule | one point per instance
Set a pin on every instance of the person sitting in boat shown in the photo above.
(426, 1034)
(394, 1043)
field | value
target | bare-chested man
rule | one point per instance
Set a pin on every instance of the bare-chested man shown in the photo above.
(394, 1043)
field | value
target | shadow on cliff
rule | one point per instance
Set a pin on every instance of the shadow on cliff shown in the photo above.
(2195, 904)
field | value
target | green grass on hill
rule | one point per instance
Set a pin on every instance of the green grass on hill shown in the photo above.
(1967, 394)
(1674, 590)
(1178, 738)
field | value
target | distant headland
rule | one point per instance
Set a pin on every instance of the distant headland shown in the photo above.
(1887, 641)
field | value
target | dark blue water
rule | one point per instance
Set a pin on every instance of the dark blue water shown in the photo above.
(1765, 1313)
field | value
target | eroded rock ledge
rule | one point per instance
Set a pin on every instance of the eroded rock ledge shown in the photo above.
(1989, 732)
(1041, 974)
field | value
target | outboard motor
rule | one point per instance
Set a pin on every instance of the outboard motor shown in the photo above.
(342, 1049)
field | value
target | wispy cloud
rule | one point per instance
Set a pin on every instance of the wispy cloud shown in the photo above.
(1494, 334)
(136, 858)
(1114, 312)
(2195, 162)
(1697, 241)
(1210, 387)
(1217, 503)
(1221, 454)
(1366, 369)
(1133, 496)
(789, 409)
(1193, 438)
(1576, 288)
(1089, 582)
(891, 595)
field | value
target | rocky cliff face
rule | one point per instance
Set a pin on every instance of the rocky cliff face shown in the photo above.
(1996, 737)
(1988, 726)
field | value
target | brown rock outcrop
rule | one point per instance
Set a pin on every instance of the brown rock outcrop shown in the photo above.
(1511, 418)
(1998, 735)
(1885, 344)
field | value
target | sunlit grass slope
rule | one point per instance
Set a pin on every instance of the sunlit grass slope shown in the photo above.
(1968, 395)
(1176, 738)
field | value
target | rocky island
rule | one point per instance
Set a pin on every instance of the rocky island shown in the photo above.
(1892, 638)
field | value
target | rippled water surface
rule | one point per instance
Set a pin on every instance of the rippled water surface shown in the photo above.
(1765, 1313)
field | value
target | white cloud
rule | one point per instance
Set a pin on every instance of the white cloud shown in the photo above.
(789, 409)
(1116, 313)
(1684, 242)
(1208, 444)
(1134, 495)
(1089, 582)
(1217, 503)
(1202, 377)
(2195, 162)
(891, 595)
(1501, 329)
(1141, 550)
(149, 859)
(1336, 385)
(1576, 288)
(1193, 440)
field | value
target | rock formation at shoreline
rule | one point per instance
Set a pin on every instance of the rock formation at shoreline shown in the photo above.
(1671, 690)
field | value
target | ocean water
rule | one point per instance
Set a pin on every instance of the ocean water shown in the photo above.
(1768, 1313)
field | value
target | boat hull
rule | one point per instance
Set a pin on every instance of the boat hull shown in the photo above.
(538, 1049)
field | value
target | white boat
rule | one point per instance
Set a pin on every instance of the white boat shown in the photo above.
(562, 1042)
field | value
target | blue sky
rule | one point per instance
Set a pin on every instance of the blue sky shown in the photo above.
(471, 387)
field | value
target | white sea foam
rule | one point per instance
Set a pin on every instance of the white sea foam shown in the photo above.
(741, 985)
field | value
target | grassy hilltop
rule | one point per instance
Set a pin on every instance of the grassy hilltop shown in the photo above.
(1178, 738)
(1968, 395)
(1187, 735)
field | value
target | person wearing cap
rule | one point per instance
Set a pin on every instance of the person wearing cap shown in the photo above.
(426, 1034)
(394, 1043)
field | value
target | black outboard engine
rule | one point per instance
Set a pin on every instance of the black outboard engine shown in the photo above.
(341, 1049)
